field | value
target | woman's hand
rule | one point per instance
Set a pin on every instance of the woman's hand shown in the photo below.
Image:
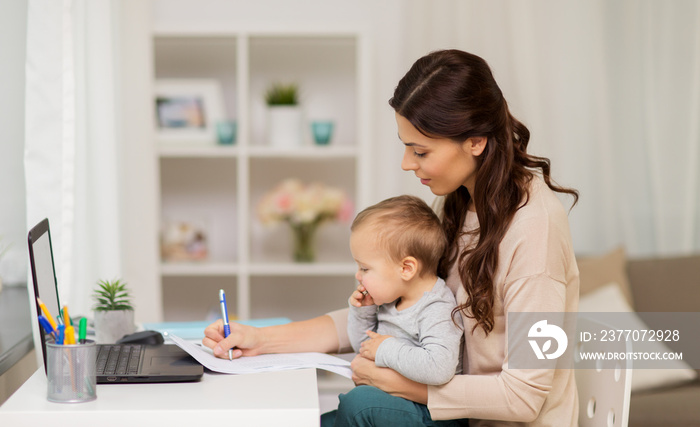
(365, 372)
(368, 348)
(244, 340)
(314, 335)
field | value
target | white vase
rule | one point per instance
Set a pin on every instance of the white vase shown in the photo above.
(284, 126)
(112, 325)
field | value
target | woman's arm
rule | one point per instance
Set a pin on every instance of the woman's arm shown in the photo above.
(317, 334)
(365, 372)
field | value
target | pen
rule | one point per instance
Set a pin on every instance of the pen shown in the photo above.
(224, 317)
(82, 330)
(46, 312)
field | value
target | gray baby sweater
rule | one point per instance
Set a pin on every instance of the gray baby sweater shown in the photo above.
(425, 342)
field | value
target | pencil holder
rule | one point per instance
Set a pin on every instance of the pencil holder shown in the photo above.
(70, 370)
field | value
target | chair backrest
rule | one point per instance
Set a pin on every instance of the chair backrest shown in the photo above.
(604, 390)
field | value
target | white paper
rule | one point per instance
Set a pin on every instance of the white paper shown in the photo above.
(263, 362)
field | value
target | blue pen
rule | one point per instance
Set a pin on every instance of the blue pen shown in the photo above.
(44, 322)
(224, 316)
(61, 334)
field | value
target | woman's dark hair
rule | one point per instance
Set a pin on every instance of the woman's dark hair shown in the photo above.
(452, 94)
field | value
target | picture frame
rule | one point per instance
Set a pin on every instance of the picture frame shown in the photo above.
(187, 110)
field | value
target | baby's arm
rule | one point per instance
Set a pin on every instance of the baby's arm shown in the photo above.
(368, 348)
(361, 318)
(434, 361)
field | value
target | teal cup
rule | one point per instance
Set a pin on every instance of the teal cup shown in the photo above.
(226, 132)
(322, 131)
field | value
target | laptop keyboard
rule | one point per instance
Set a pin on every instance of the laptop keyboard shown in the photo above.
(120, 359)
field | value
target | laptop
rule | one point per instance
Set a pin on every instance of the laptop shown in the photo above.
(142, 363)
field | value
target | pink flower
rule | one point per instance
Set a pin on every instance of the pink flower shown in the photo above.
(284, 203)
(296, 203)
(346, 211)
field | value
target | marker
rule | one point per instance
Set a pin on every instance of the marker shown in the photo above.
(224, 316)
(70, 330)
(61, 334)
(43, 321)
(82, 330)
(69, 335)
(47, 314)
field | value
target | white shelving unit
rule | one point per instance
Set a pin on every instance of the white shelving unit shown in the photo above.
(220, 186)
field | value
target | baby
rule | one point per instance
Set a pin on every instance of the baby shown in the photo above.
(401, 312)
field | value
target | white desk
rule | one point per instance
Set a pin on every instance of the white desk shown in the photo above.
(288, 398)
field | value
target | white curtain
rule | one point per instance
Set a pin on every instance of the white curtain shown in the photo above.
(71, 156)
(611, 93)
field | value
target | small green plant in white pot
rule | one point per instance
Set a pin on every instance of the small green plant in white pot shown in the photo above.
(114, 312)
(284, 115)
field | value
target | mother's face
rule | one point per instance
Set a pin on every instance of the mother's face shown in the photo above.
(440, 163)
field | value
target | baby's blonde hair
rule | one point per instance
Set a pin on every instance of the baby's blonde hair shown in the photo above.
(406, 226)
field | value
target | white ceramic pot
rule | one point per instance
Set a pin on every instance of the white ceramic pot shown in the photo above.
(113, 325)
(284, 126)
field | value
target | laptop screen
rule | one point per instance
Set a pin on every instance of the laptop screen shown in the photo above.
(43, 273)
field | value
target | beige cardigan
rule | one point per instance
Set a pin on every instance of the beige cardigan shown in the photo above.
(537, 273)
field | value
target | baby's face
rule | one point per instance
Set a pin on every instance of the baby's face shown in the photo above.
(375, 270)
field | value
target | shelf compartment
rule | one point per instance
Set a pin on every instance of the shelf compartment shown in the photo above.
(275, 243)
(202, 192)
(196, 298)
(177, 57)
(297, 297)
(325, 68)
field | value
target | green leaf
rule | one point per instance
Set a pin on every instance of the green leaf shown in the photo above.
(282, 94)
(112, 295)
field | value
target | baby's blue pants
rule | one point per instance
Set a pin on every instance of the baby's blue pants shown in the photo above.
(366, 406)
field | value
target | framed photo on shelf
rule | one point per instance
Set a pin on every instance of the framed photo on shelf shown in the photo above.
(187, 110)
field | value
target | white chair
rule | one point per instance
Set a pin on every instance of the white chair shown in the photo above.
(603, 391)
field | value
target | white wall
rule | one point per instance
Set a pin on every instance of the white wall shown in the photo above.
(13, 229)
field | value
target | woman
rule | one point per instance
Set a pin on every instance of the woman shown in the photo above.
(510, 251)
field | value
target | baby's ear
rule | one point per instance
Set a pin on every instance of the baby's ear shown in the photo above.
(409, 268)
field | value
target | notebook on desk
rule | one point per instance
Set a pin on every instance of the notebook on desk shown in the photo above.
(142, 363)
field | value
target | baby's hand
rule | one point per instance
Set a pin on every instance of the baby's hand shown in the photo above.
(368, 348)
(360, 297)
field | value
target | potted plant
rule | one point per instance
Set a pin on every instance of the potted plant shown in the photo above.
(114, 312)
(284, 115)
